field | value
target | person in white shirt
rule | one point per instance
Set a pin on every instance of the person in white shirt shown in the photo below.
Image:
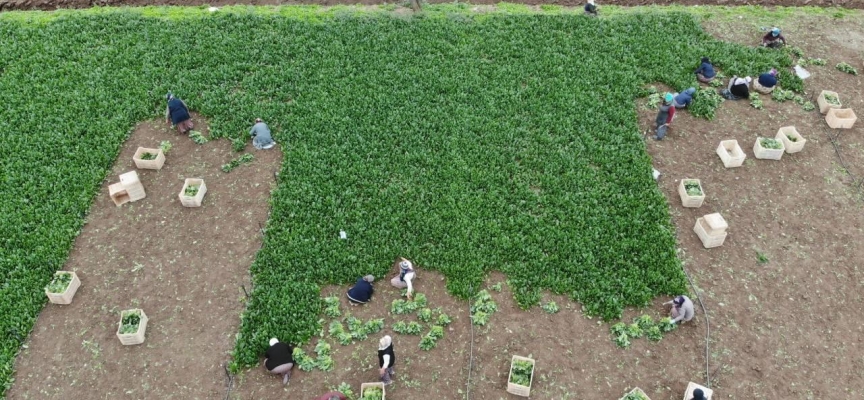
(406, 275)
(386, 359)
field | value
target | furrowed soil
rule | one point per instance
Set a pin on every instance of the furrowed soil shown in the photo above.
(185, 267)
(783, 294)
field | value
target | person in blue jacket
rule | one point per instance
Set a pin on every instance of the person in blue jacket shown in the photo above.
(768, 80)
(178, 114)
(361, 292)
(706, 72)
(683, 99)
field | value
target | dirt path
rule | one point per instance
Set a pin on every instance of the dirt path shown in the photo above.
(183, 266)
(6, 5)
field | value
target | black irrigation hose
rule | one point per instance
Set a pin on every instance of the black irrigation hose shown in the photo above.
(707, 326)
(229, 381)
(471, 353)
(835, 143)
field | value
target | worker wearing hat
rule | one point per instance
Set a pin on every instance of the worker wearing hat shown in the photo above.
(279, 359)
(406, 275)
(682, 309)
(386, 359)
(665, 114)
(361, 292)
(773, 39)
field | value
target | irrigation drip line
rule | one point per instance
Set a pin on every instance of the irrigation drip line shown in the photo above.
(471, 352)
(707, 326)
(229, 381)
(836, 144)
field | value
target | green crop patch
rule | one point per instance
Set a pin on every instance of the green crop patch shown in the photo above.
(463, 141)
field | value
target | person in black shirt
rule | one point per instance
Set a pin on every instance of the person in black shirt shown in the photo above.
(739, 88)
(362, 291)
(279, 359)
(386, 359)
(590, 9)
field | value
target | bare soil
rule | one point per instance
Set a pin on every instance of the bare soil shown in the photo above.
(788, 326)
(6, 5)
(185, 267)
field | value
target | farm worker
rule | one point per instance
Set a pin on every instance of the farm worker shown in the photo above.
(706, 72)
(362, 291)
(664, 116)
(684, 98)
(682, 309)
(279, 359)
(406, 275)
(260, 133)
(767, 80)
(739, 88)
(773, 39)
(590, 8)
(332, 396)
(178, 114)
(386, 359)
(698, 394)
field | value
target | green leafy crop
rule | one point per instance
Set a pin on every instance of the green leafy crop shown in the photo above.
(407, 328)
(550, 307)
(129, 322)
(197, 137)
(59, 283)
(520, 372)
(487, 135)
(424, 315)
(331, 307)
(244, 159)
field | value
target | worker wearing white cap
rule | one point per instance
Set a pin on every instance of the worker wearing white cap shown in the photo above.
(279, 359)
(386, 359)
(406, 275)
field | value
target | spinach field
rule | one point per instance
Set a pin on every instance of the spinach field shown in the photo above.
(467, 143)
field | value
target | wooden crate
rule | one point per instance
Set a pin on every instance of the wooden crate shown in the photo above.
(711, 230)
(841, 118)
(764, 153)
(824, 105)
(791, 147)
(149, 164)
(69, 293)
(132, 185)
(520, 390)
(637, 391)
(688, 200)
(693, 386)
(132, 338)
(194, 201)
(364, 386)
(118, 194)
(731, 154)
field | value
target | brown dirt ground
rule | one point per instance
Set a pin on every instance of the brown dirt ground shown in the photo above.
(787, 328)
(55, 4)
(183, 266)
